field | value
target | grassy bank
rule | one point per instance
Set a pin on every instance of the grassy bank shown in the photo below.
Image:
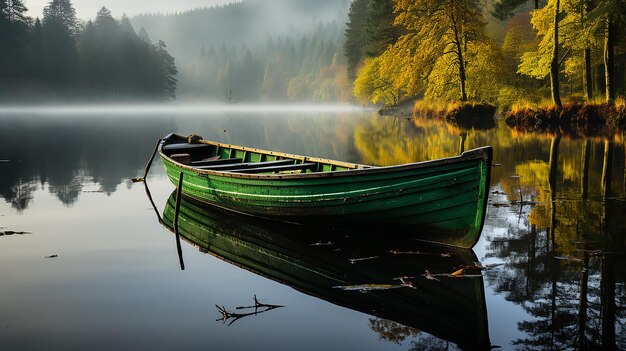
(573, 118)
(462, 114)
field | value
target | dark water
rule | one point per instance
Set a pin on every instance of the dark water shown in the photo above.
(555, 235)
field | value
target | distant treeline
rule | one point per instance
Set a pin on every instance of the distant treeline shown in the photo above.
(57, 58)
(258, 50)
(504, 52)
(282, 69)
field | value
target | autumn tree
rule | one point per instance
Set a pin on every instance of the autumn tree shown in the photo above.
(545, 60)
(374, 86)
(609, 16)
(440, 39)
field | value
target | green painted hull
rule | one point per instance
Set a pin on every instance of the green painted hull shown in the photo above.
(452, 309)
(445, 197)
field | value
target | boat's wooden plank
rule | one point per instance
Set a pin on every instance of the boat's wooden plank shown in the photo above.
(300, 166)
(184, 147)
(247, 165)
(226, 161)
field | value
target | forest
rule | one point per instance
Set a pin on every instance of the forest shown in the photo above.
(506, 53)
(503, 52)
(60, 58)
(258, 50)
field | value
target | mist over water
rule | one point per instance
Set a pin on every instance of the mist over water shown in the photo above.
(175, 108)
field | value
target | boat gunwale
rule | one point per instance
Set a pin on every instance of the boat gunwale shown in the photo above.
(482, 153)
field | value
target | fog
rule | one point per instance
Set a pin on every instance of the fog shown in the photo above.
(218, 51)
(87, 9)
(178, 109)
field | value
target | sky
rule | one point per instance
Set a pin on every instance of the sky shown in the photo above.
(87, 9)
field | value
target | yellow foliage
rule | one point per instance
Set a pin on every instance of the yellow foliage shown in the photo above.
(372, 85)
(444, 44)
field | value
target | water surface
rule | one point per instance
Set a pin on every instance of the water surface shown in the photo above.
(554, 233)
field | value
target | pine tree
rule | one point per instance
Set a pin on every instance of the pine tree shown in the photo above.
(381, 32)
(356, 35)
(167, 72)
(14, 11)
(60, 29)
(503, 9)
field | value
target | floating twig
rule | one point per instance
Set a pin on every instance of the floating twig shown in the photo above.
(328, 243)
(396, 252)
(429, 276)
(405, 281)
(12, 232)
(372, 287)
(355, 260)
(233, 317)
(258, 304)
(459, 273)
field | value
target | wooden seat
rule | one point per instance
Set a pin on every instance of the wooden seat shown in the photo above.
(237, 166)
(225, 161)
(293, 167)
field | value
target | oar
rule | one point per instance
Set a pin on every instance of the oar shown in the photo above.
(145, 173)
(179, 195)
(145, 184)
(177, 210)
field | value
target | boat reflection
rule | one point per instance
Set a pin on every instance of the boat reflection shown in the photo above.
(392, 278)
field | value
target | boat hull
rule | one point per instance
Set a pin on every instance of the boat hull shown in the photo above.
(443, 197)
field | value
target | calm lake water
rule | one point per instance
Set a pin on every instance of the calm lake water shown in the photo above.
(95, 270)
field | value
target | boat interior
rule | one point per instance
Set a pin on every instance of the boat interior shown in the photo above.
(213, 156)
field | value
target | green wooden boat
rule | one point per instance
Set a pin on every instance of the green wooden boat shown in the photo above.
(359, 271)
(443, 199)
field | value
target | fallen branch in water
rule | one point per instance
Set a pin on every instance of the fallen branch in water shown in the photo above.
(328, 243)
(237, 316)
(355, 260)
(396, 252)
(11, 232)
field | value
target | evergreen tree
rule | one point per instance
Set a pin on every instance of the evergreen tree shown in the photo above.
(167, 72)
(14, 11)
(381, 32)
(356, 35)
(504, 9)
(60, 29)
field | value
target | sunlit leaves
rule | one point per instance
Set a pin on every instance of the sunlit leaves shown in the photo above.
(373, 85)
(442, 53)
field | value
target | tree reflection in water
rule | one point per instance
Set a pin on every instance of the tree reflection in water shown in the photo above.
(563, 245)
(564, 256)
